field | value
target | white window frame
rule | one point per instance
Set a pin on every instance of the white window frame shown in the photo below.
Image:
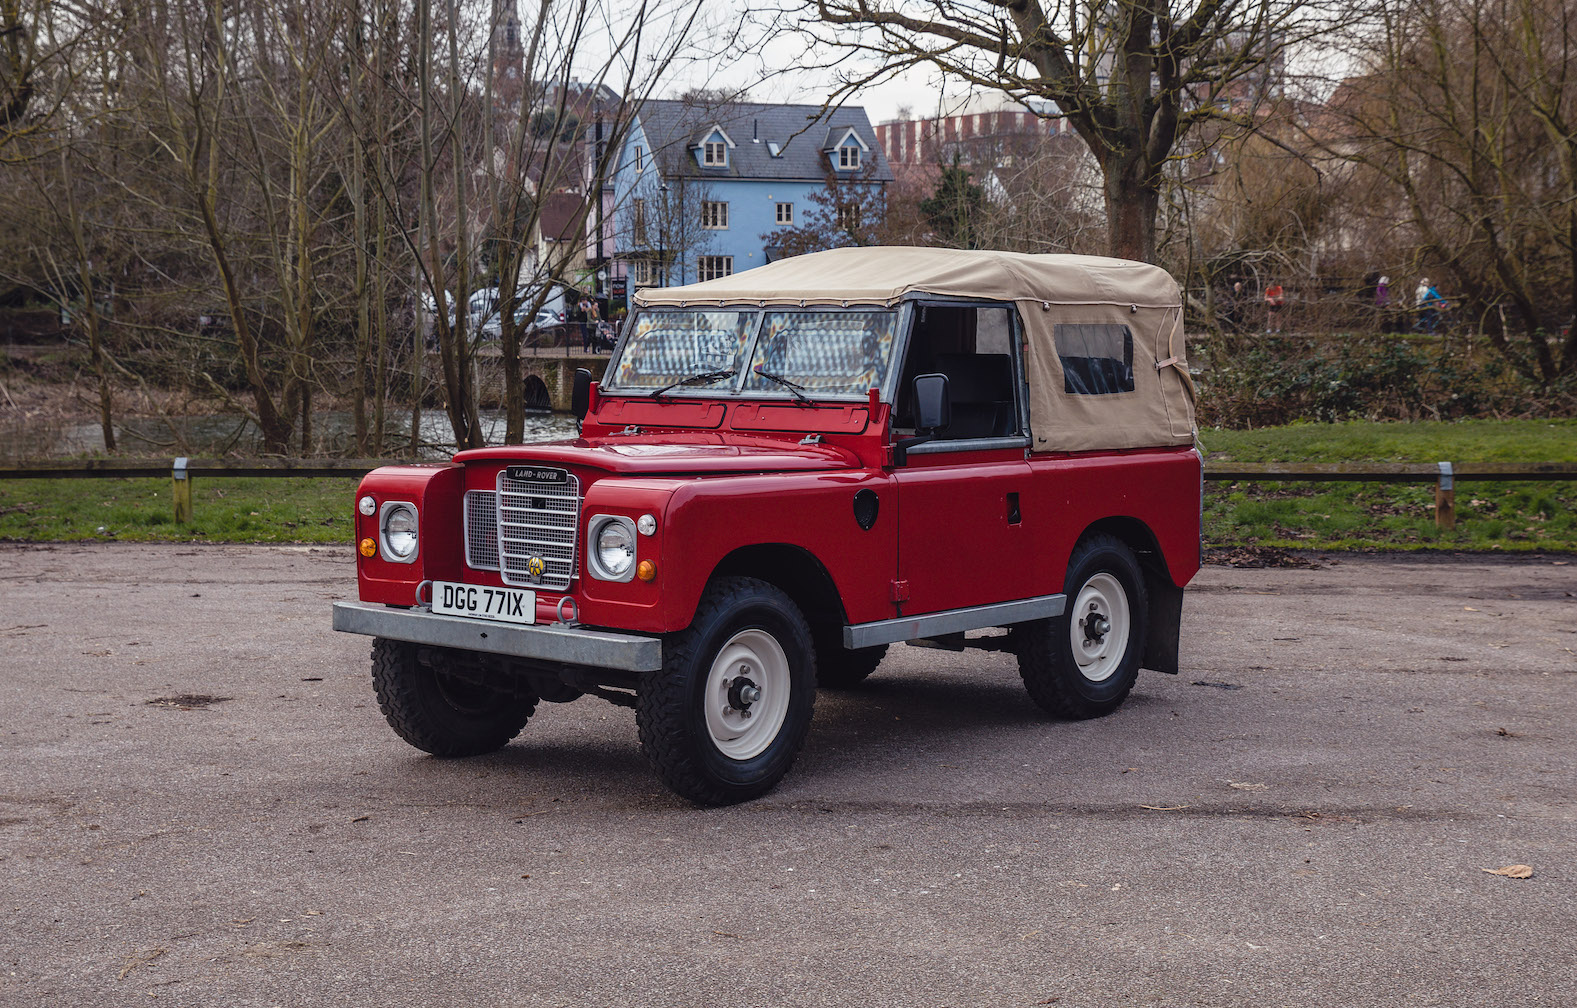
(714, 215)
(714, 154)
(640, 159)
(643, 272)
(786, 214)
(713, 267)
(849, 157)
(638, 218)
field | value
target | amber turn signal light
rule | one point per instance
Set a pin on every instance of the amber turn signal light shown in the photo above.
(368, 547)
(646, 570)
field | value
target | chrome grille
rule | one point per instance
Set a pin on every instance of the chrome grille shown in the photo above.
(481, 529)
(537, 518)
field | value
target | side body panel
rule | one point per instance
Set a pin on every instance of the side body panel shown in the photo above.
(1159, 489)
(962, 538)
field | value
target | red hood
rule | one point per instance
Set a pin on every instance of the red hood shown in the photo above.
(689, 452)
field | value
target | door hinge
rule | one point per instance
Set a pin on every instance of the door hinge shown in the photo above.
(900, 591)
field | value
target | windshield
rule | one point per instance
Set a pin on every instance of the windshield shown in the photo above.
(663, 348)
(828, 352)
(823, 352)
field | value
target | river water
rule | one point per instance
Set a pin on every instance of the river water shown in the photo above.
(233, 434)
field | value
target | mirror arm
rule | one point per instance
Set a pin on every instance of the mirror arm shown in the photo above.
(902, 445)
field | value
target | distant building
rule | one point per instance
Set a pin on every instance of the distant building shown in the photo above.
(699, 184)
(979, 133)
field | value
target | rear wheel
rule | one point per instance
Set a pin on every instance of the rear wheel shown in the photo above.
(438, 703)
(1083, 663)
(722, 721)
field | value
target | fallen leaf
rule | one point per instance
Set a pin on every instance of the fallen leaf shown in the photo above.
(1511, 871)
(1469, 608)
(1166, 808)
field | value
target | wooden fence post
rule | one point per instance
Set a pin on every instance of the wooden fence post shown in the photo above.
(1445, 498)
(181, 491)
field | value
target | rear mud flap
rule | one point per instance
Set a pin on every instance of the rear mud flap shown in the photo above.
(1165, 623)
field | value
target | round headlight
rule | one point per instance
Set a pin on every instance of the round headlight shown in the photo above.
(399, 531)
(367, 506)
(615, 548)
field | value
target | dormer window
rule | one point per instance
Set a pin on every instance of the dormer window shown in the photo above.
(714, 154)
(844, 148)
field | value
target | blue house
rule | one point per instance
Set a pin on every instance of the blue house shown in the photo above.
(699, 185)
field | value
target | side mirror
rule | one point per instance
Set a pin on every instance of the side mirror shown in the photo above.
(580, 394)
(933, 411)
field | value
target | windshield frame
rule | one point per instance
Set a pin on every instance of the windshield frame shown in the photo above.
(736, 388)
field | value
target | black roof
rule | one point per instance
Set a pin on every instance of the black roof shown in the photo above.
(800, 133)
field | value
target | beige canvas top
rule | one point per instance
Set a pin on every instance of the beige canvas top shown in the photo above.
(1049, 290)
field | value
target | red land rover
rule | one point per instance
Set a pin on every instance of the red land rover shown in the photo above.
(782, 473)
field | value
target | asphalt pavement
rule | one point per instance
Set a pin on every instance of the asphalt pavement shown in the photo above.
(200, 804)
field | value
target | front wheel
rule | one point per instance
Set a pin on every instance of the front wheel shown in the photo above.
(722, 721)
(1083, 663)
(438, 703)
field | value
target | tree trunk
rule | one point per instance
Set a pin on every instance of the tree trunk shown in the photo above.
(1133, 195)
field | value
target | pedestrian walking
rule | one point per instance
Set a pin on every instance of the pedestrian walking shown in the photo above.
(1275, 301)
(588, 324)
(1429, 303)
(1231, 311)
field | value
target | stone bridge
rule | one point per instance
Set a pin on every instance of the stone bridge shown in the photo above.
(549, 373)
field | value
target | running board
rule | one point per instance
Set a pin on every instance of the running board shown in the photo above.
(951, 621)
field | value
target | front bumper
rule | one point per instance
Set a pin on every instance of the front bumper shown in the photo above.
(553, 642)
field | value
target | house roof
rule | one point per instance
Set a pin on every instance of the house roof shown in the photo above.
(674, 128)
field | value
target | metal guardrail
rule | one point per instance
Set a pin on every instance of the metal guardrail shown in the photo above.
(1443, 474)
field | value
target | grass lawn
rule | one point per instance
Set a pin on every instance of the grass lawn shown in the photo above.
(1530, 516)
(241, 509)
(1523, 516)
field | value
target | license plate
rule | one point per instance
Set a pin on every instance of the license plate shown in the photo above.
(509, 605)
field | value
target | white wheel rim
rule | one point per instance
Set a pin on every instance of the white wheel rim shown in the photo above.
(1098, 627)
(743, 723)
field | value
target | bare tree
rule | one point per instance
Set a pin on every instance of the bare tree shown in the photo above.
(846, 210)
(1461, 135)
(1134, 77)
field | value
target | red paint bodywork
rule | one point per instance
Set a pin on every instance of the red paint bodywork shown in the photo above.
(722, 475)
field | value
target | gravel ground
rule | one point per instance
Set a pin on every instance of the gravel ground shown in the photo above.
(200, 804)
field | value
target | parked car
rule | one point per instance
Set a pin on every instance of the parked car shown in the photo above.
(533, 327)
(782, 473)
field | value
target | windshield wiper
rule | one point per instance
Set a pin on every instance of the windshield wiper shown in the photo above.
(793, 387)
(704, 378)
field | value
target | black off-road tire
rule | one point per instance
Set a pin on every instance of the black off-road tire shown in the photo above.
(438, 712)
(671, 704)
(1046, 648)
(837, 667)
